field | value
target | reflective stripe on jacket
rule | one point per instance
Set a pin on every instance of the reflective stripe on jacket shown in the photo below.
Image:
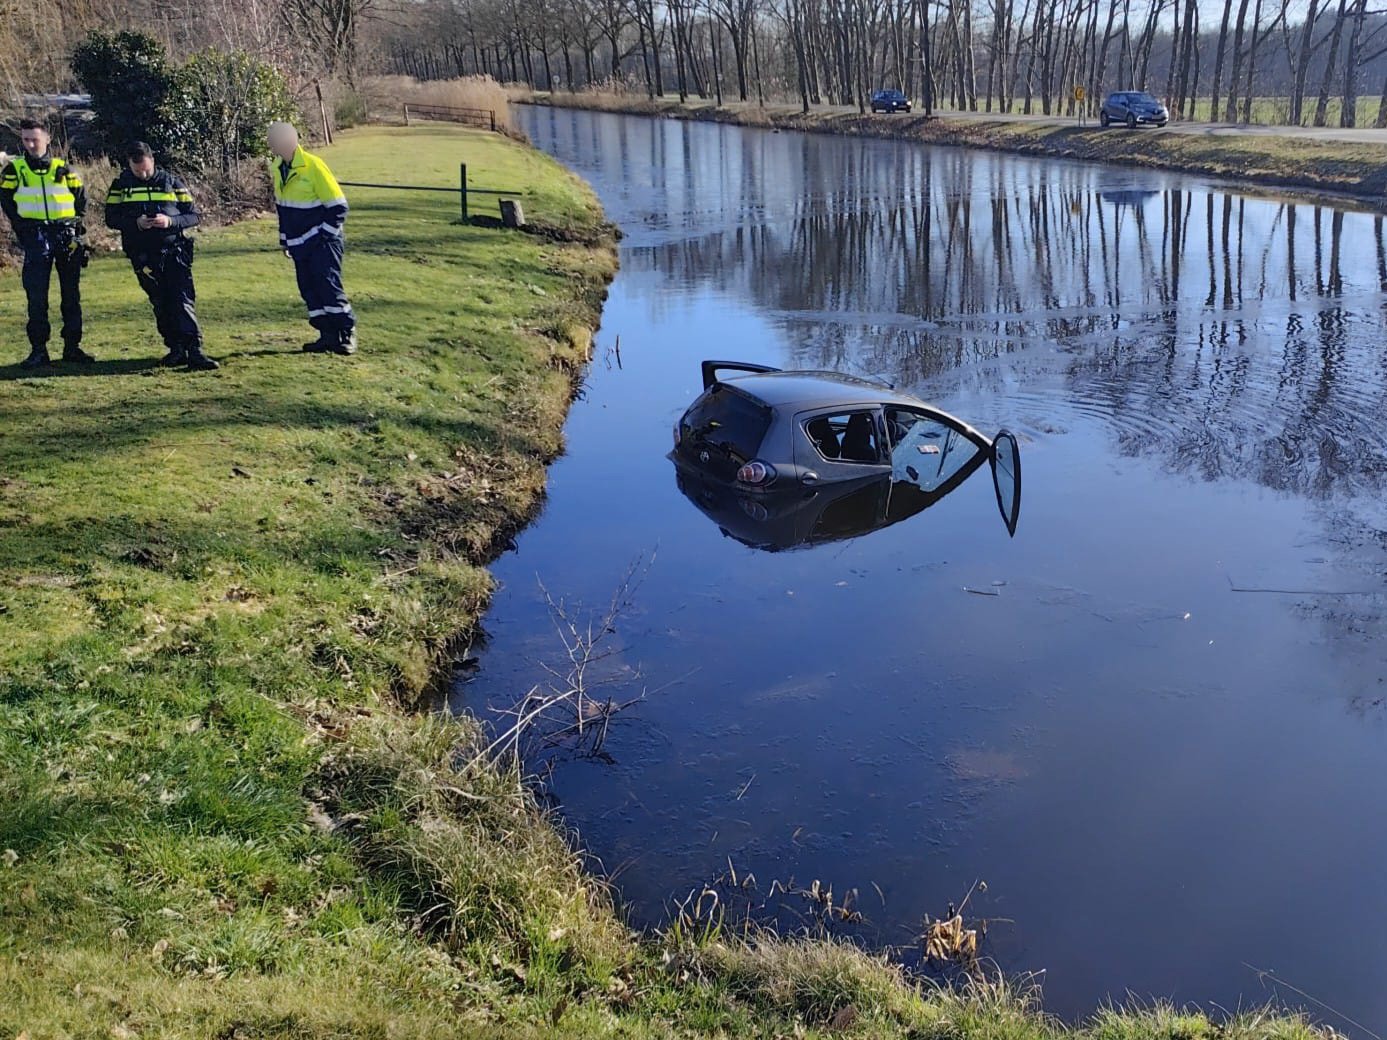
(131, 198)
(47, 196)
(308, 199)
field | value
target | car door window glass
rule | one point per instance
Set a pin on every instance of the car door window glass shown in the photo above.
(925, 451)
(849, 437)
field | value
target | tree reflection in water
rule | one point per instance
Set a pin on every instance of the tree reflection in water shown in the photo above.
(1211, 330)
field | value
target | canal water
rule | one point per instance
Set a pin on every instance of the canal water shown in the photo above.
(1154, 721)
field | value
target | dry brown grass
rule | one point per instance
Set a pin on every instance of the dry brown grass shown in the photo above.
(386, 94)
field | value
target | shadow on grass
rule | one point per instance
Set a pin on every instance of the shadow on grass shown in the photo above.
(66, 370)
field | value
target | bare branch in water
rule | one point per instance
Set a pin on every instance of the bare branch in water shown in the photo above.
(565, 709)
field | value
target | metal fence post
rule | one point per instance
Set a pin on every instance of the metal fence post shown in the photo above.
(462, 180)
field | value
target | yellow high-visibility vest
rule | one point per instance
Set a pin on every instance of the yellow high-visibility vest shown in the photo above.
(308, 198)
(44, 196)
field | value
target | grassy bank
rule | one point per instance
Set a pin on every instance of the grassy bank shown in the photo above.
(218, 593)
(1292, 162)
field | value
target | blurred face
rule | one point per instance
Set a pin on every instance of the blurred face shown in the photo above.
(35, 143)
(283, 141)
(143, 168)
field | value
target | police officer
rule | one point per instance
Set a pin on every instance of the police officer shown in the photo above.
(312, 211)
(45, 202)
(151, 208)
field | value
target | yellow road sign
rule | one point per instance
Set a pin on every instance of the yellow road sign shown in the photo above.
(1078, 93)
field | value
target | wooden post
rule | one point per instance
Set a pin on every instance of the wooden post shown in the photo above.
(406, 115)
(512, 215)
(322, 111)
(493, 120)
(462, 185)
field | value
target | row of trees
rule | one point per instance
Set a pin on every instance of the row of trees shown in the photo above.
(1292, 61)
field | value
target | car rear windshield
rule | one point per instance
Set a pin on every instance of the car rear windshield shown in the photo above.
(728, 425)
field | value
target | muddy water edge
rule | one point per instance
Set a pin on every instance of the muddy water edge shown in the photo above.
(1154, 721)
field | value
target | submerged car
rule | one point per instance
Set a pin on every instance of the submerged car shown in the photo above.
(1133, 107)
(791, 519)
(889, 101)
(768, 443)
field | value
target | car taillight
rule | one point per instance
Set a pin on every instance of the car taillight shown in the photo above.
(756, 473)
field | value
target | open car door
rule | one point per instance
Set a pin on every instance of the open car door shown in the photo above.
(1006, 478)
(936, 452)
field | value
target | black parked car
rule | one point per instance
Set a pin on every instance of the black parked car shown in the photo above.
(889, 101)
(1133, 107)
(786, 445)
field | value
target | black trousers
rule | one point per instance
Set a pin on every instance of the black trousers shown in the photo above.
(318, 265)
(43, 251)
(167, 279)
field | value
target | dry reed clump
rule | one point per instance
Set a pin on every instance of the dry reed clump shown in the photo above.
(384, 93)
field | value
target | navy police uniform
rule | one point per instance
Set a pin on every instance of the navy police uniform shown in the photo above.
(45, 202)
(162, 257)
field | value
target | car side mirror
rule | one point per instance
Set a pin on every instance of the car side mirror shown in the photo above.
(1006, 478)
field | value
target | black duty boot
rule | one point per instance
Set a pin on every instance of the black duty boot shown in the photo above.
(75, 354)
(200, 362)
(321, 345)
(346, 345)
(38, 358)
(175, 357)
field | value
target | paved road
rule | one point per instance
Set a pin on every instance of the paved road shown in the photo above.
(1361, 135)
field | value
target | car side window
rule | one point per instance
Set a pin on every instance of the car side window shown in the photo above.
(925, 451)
(846, 437)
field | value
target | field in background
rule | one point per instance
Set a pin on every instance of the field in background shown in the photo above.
(387, 95)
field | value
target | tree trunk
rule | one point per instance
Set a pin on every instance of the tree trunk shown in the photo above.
(1101, 70)
(1177, 36)
(1218, 60)
(926, 65)
(1381, 121)
(1348, 112)
(1257, 36)
(1302, 66)
(1148, 39)
(1231, 112)
(1322, 102)
(1190, 44)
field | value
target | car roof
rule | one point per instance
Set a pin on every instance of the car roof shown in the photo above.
(804, 390)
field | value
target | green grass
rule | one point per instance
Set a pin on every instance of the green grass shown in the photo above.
(217, 593)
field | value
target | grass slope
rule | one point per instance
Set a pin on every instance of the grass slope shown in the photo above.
(215, 594)
(1292, 162)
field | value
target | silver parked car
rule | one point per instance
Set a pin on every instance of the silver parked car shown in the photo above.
(761, 431)
(1133, 108)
